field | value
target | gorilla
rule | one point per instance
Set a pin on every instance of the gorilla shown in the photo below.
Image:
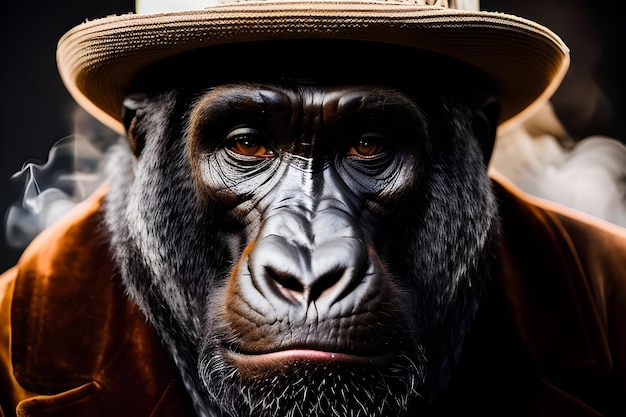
(308, 238)
(302, 223)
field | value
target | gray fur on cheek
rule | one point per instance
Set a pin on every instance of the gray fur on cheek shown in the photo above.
(166, 252)
(453, 245)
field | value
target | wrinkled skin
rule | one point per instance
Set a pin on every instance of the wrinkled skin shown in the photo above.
(305, 248)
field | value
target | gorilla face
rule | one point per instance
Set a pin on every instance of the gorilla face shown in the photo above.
(304, 248)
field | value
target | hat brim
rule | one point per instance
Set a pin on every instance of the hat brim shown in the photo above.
(98, 59)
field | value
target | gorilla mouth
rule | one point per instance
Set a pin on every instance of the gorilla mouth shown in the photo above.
(281, 361)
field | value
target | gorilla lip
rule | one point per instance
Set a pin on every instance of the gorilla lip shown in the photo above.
(281, 361)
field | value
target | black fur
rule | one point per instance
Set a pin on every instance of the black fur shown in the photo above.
(176, 242)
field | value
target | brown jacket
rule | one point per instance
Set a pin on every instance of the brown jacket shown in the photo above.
(550, 339)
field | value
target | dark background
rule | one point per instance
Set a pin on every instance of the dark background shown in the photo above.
(36, 109)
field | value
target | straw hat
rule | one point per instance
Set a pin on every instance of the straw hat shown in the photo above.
(98, 59)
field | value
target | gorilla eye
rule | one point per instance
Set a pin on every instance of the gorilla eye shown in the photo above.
(369, 144)
(248, 141)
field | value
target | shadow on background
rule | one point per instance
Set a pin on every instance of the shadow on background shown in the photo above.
(37, 111)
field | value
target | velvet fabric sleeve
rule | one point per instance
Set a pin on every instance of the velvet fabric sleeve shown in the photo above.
(563, 275)
(71, 343)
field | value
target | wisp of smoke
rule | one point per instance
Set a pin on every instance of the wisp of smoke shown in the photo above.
(588, 175)
(75, 168)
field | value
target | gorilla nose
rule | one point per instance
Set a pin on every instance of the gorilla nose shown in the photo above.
(324, 274)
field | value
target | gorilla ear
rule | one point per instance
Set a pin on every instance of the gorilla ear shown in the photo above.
(485, 124)
(131, 107)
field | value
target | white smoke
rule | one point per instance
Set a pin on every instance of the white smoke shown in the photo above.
(75, 168)
(588, 175)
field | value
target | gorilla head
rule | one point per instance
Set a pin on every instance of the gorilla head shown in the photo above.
(309, 228)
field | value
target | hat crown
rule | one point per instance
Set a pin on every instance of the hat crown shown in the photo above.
(99, 58)
(165, 6)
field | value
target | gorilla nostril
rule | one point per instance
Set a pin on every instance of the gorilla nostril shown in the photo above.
(286, 284)
(324, 275)
(295, 290)
(325, 283)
